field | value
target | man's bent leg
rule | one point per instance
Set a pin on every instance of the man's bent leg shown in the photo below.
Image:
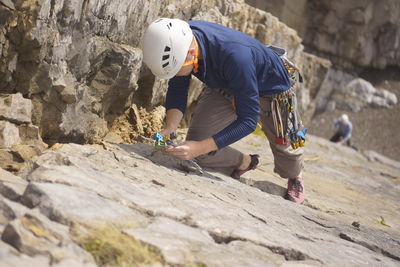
(288, 162)
(213, 113)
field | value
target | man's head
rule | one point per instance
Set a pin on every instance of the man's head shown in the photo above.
(166, 46)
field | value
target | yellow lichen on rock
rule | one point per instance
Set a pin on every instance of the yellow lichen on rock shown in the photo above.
(137, 122)
(109, 246)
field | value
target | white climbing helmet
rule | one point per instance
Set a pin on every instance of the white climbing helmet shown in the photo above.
(344, 118)
(165, 46)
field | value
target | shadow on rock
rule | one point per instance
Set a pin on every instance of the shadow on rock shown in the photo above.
(266, 186)
(163, 159)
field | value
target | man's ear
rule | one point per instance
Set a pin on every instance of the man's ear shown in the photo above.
(192, 51)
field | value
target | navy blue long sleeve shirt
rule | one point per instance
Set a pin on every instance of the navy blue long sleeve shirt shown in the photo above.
(239, 62)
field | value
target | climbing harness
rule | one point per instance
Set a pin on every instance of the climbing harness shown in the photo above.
(293, 71)
(160, 142)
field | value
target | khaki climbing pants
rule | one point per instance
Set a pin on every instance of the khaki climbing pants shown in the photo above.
(214, 112)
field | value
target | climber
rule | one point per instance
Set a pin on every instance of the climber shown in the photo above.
(344, 128)
(243, 77)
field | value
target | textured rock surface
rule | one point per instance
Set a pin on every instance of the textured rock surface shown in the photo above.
(15, 108)
(375, 128)
(346, 92)
(358, 37)
(20, 140)
(350, 33)
(71, 71)
(350, 214)
(81, 61)
(358, 94)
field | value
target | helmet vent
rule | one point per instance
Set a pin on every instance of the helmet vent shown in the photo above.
(165, 57)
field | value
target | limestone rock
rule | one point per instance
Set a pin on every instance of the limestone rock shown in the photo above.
(33, 236)
(349, 33)
(15, 108)
(9, 134)
(314, 70)
(9, 161)
(174, 239)
(11, 258)
(88, 69)
(374, 156)
(220, 221)
(30, 135)
(6, 213)
(78, 206)
(8, 177)
(359, 93)
(335, 80)
(180, 244)
(80, 64)
(11, 186)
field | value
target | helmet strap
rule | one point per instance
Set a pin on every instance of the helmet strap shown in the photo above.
(196, 57)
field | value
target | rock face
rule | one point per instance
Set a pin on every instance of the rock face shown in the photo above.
(81, 61)
(19, 138)
(350, 213)
(350, 33)
(358, 94)
(71, 72)
(361, 40)
(346, 92)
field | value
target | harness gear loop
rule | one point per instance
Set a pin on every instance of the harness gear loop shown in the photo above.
(292, 70)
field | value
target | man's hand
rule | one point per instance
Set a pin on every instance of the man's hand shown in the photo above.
(192, 149)
(166, 133)
(186, 150)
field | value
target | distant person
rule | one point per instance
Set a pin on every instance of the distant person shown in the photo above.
(344, 128)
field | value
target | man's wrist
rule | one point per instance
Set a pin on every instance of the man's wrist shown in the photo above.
(170, 130)
(208, 145)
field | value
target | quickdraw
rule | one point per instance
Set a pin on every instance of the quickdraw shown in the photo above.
(159, 141)
(286, 103)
